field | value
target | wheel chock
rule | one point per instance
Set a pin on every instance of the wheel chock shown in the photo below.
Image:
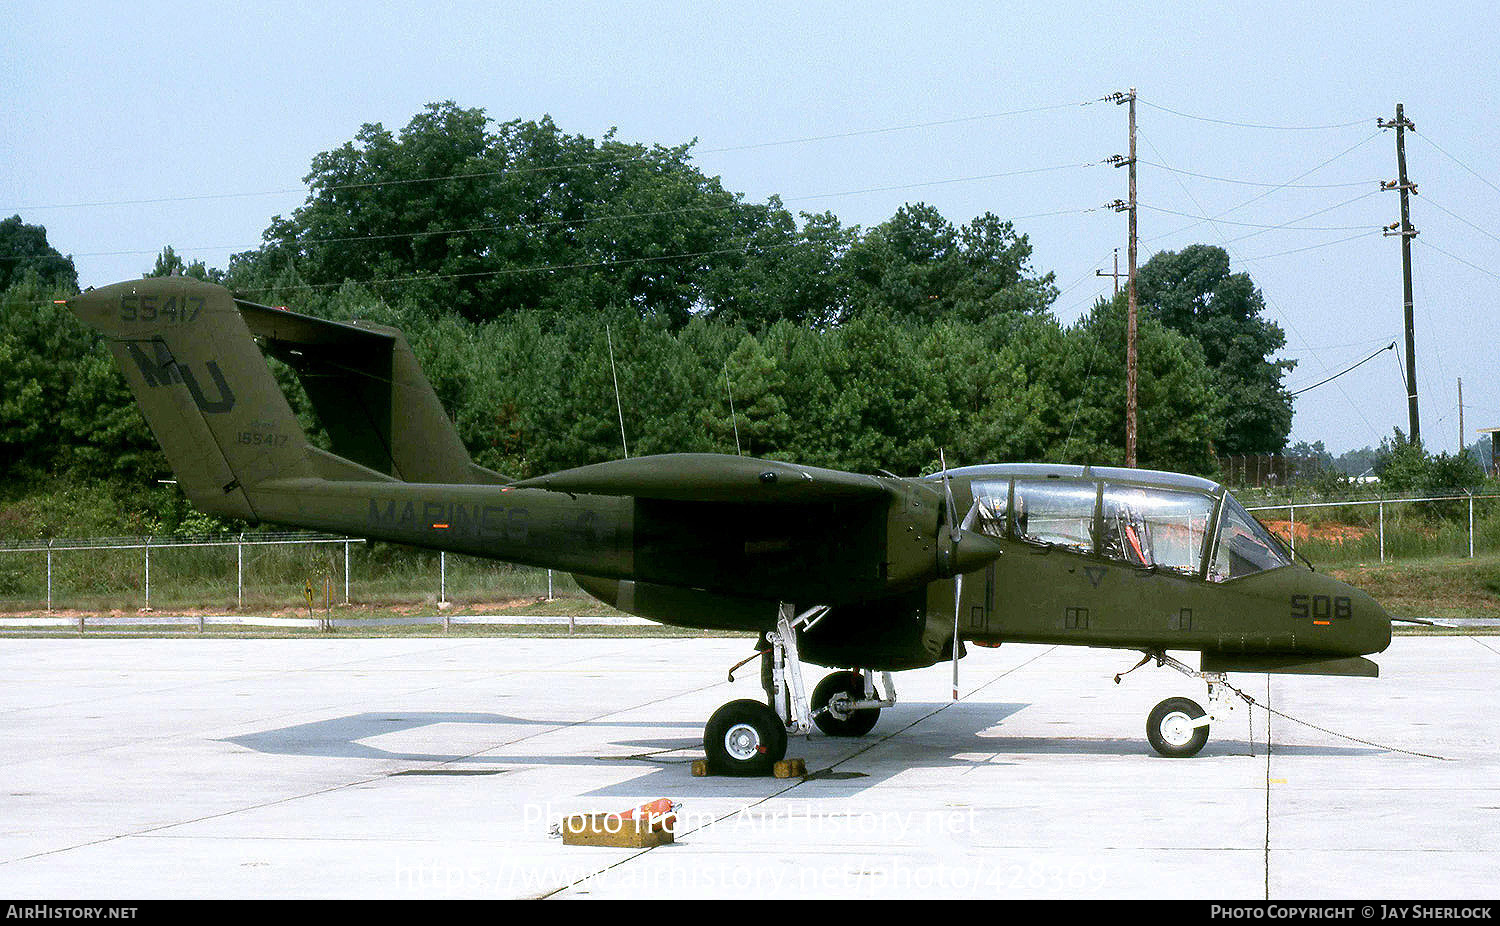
(644, 827)
(789, 768)
(786, 768)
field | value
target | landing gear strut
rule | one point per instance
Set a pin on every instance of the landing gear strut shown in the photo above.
(748, 738)
(1178, 727)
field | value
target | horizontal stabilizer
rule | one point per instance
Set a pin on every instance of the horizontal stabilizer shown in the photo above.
(710, 477)
(1353, 666)
(369, 394)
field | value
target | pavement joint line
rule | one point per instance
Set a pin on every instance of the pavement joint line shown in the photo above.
(153, 830)
(798, 782)
(1266, 856)
(245, 678)
(321, 667)
(1485, 645)
(168, 737)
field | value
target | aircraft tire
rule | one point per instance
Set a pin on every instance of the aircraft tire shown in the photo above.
(857, 723)
(744, 738)
(1170, 731)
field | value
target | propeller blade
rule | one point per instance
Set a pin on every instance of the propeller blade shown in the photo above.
(950, 516)
(958, 594)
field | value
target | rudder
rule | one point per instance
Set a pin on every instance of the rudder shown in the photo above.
(203, 387)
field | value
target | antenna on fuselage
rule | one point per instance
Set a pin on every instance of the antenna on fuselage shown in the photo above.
(728, 387)
(620, 409)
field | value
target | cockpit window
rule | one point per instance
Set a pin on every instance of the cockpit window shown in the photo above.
(1162, 528)
(1054, 512)
(1244, 546)
(991, 508)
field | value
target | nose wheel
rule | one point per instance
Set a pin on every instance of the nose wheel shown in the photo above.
(1178, 727)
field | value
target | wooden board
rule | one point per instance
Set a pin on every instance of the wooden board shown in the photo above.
(609, 829)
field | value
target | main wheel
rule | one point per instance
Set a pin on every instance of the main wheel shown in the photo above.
(836, 691)
(1172, 731)
(744, 738)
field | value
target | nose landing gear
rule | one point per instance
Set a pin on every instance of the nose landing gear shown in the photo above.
(1178, 727)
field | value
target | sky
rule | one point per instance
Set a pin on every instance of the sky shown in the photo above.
(128, 127)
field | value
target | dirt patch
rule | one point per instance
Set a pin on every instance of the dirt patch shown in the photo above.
(1327, 533)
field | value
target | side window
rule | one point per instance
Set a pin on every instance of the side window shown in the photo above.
(1156, 527)
(1244, 547)
(991, 509)
(1055, 512)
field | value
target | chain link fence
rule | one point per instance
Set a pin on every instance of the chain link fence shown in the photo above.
(255, 571)
(1381, 529)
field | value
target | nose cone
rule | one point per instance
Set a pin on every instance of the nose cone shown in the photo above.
(1370, 625)
(1380, 631)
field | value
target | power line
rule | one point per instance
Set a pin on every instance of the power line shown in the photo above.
(1429, 200)
(1288, 225)
(1428, 243)
(1267, 296)
(655, 151)
(1444, 153)
(1279, 186)
(1390, 346)
(1311, 247)
(1294, 186)
(585, 220)
(1258, 125)
(541, 268)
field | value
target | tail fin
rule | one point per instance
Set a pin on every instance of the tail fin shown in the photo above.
(188, 351)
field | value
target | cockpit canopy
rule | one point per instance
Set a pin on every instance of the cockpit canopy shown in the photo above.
(1181, 527)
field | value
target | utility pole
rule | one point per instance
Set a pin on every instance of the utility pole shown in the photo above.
(1460, 416)
(1117, 274)
(1404, 229)
(1130, 317)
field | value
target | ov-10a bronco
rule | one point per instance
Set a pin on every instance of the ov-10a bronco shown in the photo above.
(866, 574)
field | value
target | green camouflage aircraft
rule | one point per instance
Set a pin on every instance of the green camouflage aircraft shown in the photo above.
(867, 574)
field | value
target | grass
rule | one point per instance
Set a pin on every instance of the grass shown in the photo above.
(1442, 587)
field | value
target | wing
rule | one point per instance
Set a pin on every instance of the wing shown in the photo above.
(713, 477)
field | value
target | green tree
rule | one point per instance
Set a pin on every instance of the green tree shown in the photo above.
(170, 263)
(63, 405)
(917, 265)
(1193, 292)
(1180, 406)
(751, 411)
(24, 250)
(490, 221)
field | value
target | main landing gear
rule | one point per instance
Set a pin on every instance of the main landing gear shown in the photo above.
(1177, 727)
(746, 737)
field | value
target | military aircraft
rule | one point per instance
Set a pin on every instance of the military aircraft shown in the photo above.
(866, 574)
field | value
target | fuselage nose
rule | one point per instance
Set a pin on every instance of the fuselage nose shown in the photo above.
(1368, 629)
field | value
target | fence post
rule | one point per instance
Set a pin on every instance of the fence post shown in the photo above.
(1293, 510)
(49, 575)
(1471, 522)
(239, 579)
(346, 572)
(442, 576)
(1382, 530)
(549, 584)
(148, 573)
